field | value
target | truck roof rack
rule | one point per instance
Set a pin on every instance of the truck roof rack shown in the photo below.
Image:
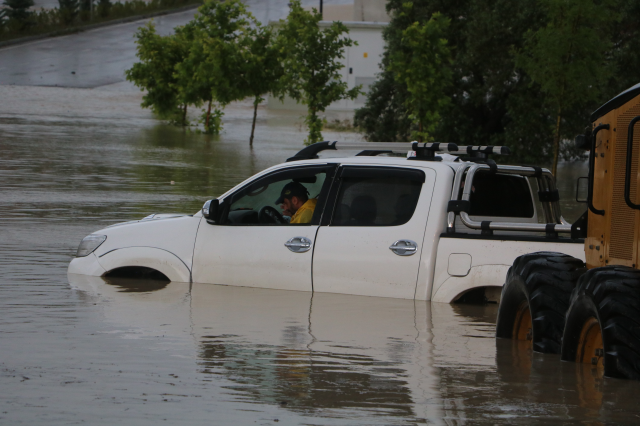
(481, 151)
(424, 151)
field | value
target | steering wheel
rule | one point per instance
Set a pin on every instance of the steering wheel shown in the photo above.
(268, 214)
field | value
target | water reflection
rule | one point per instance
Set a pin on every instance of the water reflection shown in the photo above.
(306, 352)
(136, 285)
(385, 360)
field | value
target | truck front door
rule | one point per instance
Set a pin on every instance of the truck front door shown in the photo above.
(373, 229)
(252, 245)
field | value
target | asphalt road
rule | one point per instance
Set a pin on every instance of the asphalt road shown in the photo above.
(100, 57)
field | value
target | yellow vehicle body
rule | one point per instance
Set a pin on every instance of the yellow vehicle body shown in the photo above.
(589, 312)
(613, 237)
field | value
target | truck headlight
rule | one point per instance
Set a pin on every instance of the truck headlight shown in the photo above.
(89, 244)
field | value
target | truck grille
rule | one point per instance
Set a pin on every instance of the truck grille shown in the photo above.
(622, 223)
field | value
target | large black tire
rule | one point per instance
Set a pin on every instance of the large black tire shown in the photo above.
(536, 296)
(610, 296)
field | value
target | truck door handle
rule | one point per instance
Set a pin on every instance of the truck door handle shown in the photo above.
(298, 244)
(404, 247)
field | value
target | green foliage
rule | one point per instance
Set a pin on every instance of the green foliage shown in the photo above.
(310, 58)
(263, 69)
(566, 57)
(84, 10)
(68, 10)
(212, 121)
(481, 36)
(493, 101)
(223, 55)
(422, 65)
(385, 117)
(231, 57)
(215, 68)
(104, 7)
(155, 72)
(17, 11)
(215, 62)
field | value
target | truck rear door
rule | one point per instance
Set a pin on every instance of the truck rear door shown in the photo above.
(371, 237)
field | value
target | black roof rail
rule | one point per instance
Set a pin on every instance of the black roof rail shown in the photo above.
(372, 152)
(311, 152)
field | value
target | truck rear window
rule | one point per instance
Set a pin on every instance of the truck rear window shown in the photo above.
(501, 196)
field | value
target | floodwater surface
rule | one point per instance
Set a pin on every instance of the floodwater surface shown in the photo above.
(79, 350)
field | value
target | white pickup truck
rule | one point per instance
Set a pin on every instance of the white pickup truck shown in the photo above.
(441, 224)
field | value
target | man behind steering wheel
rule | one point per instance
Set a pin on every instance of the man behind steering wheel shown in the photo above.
(295, 202)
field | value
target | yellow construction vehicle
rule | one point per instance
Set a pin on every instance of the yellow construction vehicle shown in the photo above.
(589, 313)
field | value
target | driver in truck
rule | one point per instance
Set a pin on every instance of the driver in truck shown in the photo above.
(295, 202)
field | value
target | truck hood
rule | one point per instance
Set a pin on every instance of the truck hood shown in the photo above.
(155, 216)
(170, 232)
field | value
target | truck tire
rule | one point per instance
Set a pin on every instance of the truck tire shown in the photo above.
(603, 322)
(535, 299)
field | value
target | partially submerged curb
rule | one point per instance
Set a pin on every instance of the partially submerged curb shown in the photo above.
(81, 28)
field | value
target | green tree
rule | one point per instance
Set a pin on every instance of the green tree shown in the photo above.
(492, 100)
(422, 65)
(311, 63)
(68, 10)
(156, 71)
(263, 69)
(385, 117)
(215, 68)
(566, 58)
(104, 7)
(481, 37)
(84, 7)
(17, 11)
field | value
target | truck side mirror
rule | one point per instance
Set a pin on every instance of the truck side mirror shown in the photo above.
(582, 189)
(210, 210)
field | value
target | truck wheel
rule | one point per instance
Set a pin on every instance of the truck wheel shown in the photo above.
(603, 322)
(535, 298)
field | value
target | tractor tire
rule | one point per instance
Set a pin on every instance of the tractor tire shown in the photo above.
(603, 322)
(535, 299)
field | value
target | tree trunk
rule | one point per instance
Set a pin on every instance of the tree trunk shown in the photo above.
(255, 114)
(556, 143)
(420, 130)
(184, 115)
(314, 120)
(206, 122)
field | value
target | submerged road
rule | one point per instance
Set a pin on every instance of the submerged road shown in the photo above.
(100, 57)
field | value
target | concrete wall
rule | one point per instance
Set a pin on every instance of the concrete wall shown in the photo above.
(370, 11)
(359, 10)
(337, 12)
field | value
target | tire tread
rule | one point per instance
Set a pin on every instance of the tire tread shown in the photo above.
(547, 280)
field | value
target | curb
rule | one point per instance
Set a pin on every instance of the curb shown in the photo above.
(81, 28)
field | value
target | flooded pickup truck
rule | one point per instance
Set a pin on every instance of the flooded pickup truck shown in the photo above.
(443, 223)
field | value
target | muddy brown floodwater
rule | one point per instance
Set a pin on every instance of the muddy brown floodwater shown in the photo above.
(78, 350)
